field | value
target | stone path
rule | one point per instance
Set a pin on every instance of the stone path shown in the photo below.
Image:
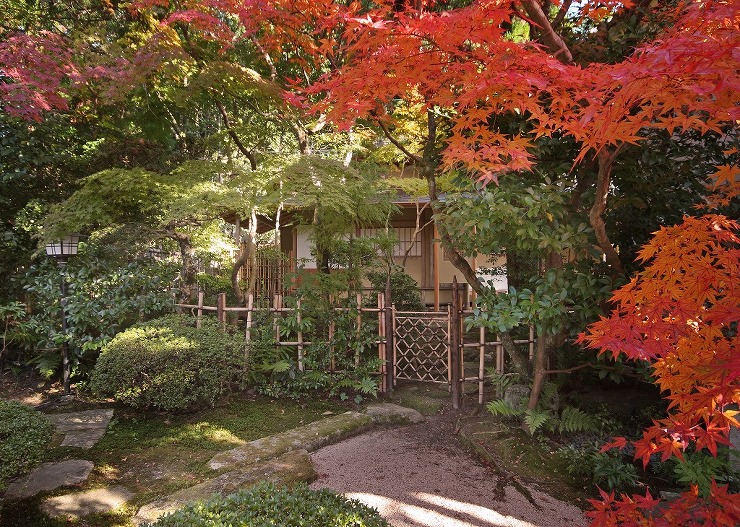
(49, 476)
(81, 430)
(88, 502)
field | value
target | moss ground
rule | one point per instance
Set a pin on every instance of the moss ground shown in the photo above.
(155, 454)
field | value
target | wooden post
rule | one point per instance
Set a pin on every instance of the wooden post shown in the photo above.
(201, 297)
(358, 323)
(390, 349)
(481, 364)
(435, 263)
(221, 308)
(455, 351)
(300, 334)
(250, 307)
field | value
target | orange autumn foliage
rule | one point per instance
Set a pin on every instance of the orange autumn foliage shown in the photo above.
(681, 314)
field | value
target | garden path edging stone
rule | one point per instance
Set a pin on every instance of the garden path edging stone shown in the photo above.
(292, 467)
(309, 437)
(282, 458)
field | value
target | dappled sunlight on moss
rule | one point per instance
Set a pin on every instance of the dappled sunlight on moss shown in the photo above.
(205, 435)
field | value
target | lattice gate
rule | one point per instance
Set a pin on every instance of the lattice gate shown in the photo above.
(421, 346)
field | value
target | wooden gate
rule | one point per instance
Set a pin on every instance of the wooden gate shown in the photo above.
(427, 346)
(421, 346)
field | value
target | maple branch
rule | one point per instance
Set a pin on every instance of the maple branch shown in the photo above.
(398, 145)
(417, 230)
(558, 20)
(549, 36)
(266, 56)
(606, 160)
(428, 171)
(249, 155)
(569, 370)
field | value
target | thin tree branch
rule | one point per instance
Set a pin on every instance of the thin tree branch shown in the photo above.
(558, 20)
(554, 42)
(249, 155)
(266, 56)
(398, 145)
(569, 370)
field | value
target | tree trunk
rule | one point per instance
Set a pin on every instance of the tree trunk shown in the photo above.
(596, 215)
(519, 360)
(540, 375)
(189, 272)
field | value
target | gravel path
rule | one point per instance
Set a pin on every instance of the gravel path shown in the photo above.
(418, 476)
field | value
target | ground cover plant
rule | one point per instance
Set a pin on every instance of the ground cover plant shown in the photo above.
(267, 504)
(24, 435)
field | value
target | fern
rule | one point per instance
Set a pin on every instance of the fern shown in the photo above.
(502, 381)
(549, 396)
(536, 419)
(501, 407)
(576, 420)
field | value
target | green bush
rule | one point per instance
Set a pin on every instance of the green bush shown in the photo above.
(405, 292)
(24, 435)
(168, 364)
(270, 506)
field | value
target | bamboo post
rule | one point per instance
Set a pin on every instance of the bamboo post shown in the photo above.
(435, 268)
(531, 341)
(332, 358)
(221, 308)
(381, 341)
(275, 314)
(300, 334)
(481, 364)
(455, 354)
(358, 334)
(201, 297)
(250, 306)
(499, 354)
(390, 330)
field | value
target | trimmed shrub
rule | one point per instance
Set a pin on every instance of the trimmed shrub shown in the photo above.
(24, 435)
(168, 364)
(268, 505)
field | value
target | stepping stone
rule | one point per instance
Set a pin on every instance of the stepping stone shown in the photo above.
(82, 429)
(49, 476)
(290, 468)
(86, 503)
(393, 413)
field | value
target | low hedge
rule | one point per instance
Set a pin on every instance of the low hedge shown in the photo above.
(266, 505)
(169, 364)
(24, 435)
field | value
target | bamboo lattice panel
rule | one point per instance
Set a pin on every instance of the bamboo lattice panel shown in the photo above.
(421, 347)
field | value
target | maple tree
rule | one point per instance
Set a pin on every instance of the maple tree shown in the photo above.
(681, 314)
(483, 98)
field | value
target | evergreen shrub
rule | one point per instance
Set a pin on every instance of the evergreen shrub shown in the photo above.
(168, 364)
